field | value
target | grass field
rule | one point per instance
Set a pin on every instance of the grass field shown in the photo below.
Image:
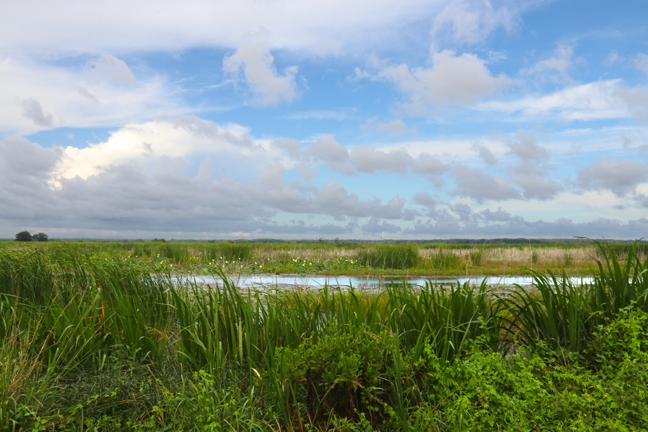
(339, 258)
(95, 337)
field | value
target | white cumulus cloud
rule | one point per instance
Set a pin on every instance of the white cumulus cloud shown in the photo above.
(253, 65)
(102, 92)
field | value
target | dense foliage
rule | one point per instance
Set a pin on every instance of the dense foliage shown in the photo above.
(25, 236)
(91, 341)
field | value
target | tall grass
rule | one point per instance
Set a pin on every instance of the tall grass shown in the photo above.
(617, 284)
(444, 260)
(388, 257)
(556, 313)
(444, 318)
(565, 315)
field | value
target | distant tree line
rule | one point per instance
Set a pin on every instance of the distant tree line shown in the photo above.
(25, 236)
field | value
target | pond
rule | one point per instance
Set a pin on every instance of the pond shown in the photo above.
(372, 282)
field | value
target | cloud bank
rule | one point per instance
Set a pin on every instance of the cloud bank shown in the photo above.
(141, 180)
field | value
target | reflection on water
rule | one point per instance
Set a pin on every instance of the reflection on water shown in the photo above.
(262, 281)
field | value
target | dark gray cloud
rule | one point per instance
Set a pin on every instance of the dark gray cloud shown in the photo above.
(292, 147)
(429, 166)
(449, 227)
(332, 199)
(527, 148)
(162, 194)
(534, 186)
(619, 176)
(374, 226)
(25, 158)
(642, 200)
(33, 110)
(462, 210)
(443, 223)
(532, 169)
(300, 229)
(329, 151)
(336, 201)
(499, 215)
(476, 184)
(636, 99)
(370, 160)
(158, 194)
(484, 153)
(424, 199)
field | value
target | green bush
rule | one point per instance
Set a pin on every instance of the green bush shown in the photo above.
(346, 372)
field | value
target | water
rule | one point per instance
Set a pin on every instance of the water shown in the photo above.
(264, 281)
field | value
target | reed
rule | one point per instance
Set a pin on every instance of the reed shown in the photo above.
(388, 257)
(565, 315)
(444, 260)
(620, 283)
(556, 313)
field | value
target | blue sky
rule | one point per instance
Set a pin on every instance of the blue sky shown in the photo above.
(338, 119)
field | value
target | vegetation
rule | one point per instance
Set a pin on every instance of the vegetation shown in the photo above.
(388, 257)
(25, 236)
(362, 259)
(93, 340)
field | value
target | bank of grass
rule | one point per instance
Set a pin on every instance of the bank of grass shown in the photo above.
(361, 259)
(94, 341)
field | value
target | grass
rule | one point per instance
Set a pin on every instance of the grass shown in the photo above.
(93, 339)
(388, 257)
(339, 258)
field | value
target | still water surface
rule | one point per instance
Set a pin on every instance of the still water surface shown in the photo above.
(264, 281)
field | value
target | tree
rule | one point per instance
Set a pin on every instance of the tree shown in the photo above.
(41, 237)
(24, 236)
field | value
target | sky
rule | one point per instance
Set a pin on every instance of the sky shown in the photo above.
(349, 119)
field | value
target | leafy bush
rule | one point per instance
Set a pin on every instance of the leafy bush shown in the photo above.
(345, 372)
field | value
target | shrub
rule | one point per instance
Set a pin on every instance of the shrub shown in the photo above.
(345, 372)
